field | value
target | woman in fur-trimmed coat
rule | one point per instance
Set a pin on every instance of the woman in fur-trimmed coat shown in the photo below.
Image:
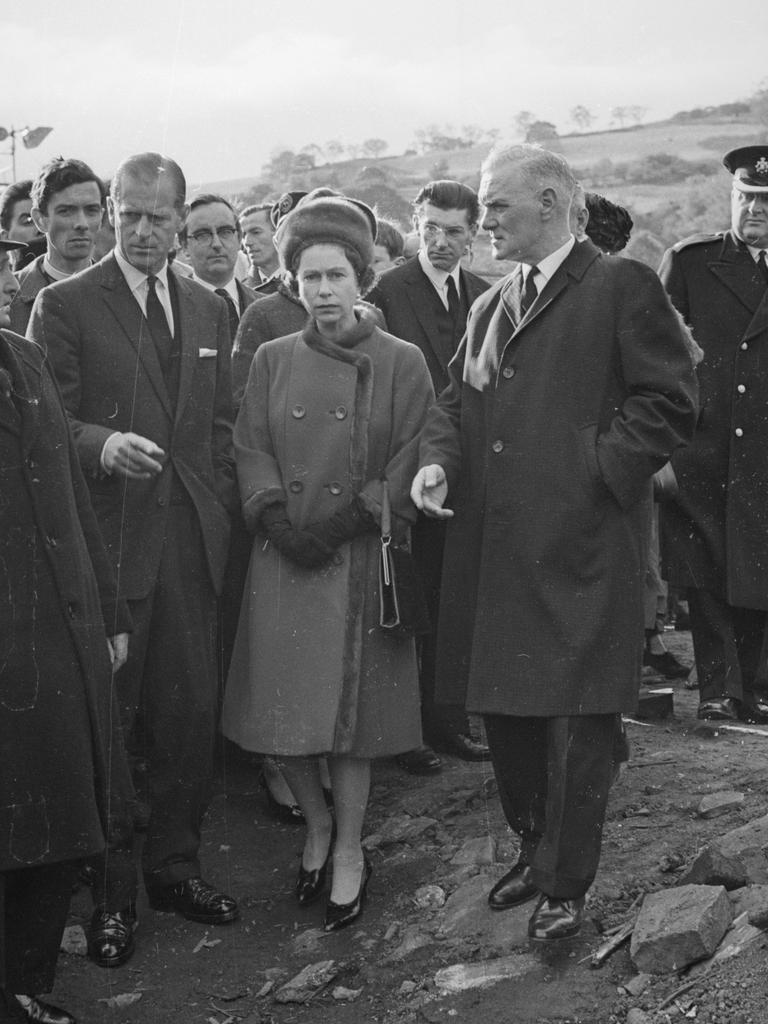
(328, 415)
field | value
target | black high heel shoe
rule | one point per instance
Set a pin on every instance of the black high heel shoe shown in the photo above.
(291, 814)
(310, 884)
(339, 915)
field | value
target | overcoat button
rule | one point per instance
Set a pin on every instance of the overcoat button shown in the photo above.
(338, 558)
(335, 488)
(161, 502)
(340, 412)
(498, 446)
(739, 432)
(508, 372)
(31, 462)
(741, 389)
(295, 486)
(744, 346)
(298, 412)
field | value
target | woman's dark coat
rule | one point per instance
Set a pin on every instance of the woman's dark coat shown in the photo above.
(550, 434)
(59, 738)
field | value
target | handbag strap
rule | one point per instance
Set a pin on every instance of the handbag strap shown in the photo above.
(386, 514)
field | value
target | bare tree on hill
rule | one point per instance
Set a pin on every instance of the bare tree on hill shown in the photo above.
(582, 117)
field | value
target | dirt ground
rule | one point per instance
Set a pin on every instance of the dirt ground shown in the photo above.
(387, 962)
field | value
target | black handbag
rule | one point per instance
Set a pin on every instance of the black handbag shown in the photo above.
(402, 605)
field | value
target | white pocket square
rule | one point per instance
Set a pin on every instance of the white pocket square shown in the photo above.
(208, 353)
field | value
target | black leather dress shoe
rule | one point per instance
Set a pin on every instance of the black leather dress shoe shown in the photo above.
(110, 937)
(513, 888)
(464, 747)
(556, 919)
(423, 761)
(196, 900)
(30, 1008)
(720, 709)
(666, 664)
(310, 884)
(754, 709)
(339, 915)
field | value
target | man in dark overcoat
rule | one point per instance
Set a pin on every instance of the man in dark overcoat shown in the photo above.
(426, 301)
(571, 388)
(62, 632)
(142, 357)
(715, 528)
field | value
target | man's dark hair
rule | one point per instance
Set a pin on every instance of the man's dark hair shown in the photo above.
(450, 195)
(609, 224)
(148, 167)
(16, 193)
(390, 236)
(59, 174)
(206, 199)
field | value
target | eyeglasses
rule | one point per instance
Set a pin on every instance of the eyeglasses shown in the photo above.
(453, 234)
(205, 235)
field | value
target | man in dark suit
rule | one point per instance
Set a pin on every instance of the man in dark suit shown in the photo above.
(572, 386)
(258, 230)
(142, 357)
(426, 301)
(68, 207)
(715, 527)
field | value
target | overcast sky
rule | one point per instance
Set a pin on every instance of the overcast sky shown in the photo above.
(220, 84)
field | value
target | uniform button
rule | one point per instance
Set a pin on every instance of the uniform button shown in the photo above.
(298, 412)
(335, 488)
(744, 346)
(498, 446)
(295, 486)
(340, 412)
(739, 432)
(741, 389)
(338, 558)
(508, 372)
(161, 502)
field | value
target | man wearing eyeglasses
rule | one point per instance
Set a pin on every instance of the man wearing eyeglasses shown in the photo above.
(211, 240)
(426, 302)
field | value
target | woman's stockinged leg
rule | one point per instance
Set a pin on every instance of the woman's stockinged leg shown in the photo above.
(303, 776)
(351, 782)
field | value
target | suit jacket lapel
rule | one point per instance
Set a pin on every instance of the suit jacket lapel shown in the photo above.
(133, 323)
(736, 269)
(422, 294)
(189, 348)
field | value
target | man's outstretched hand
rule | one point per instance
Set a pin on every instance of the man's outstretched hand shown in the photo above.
(429, 491)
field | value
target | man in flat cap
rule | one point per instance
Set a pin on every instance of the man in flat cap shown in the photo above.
(715, 538)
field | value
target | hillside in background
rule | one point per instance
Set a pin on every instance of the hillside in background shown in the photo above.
(668, 174)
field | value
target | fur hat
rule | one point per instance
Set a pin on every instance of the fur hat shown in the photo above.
(329, 220)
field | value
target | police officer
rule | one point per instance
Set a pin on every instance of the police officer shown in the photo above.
(716, 527)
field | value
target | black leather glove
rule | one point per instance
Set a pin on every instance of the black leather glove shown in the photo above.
(300, 546)
(346, 524)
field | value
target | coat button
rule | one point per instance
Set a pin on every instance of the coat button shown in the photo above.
(72, 609)
(508, 372)
(741, 389)
(31, 462)
(161, 502)
(335, 488)
(739, 432)
(497, 446)
(340, 412)
(295, 486)
(744, 346)
(298, 412)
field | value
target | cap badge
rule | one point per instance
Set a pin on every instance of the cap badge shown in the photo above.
(761, 166)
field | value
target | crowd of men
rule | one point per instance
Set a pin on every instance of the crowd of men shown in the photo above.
(565, 387)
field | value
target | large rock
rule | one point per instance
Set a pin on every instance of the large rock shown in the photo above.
(479, 851)
(467, 914)
(714, 804)
(460, 977)
(677, 927)
(734, 859)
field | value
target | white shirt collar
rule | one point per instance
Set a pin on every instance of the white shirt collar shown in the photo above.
(439, 278)
(755, 250)
(230, 288)
(546, 268)
(137, 278)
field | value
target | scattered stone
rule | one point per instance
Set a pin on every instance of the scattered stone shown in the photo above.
(307, 982)
(413, 938)
(392, 932)
(480, 851)
(741, 936)
(399, 829)
(308, 941)
(676, 927)
(429, 896)
(734, 859)
(637, 1016)
(122, 1000)
(655, 704)
(74, 941)
(345, 995)
(466, 914)
(758, 905)
(407, 988)
(460, 977)
(637, 985)
(715, 804)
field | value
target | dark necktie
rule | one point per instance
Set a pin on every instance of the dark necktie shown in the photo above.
(453, 300)
(234, 318)
(762, 266)
(158, 325)
(529, 292)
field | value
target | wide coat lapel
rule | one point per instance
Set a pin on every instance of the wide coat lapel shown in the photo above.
(133, 324)
(736, 269)
(22, 415)
(420, 293)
